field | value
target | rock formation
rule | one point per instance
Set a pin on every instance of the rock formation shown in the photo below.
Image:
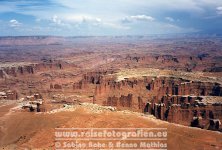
(172, 99)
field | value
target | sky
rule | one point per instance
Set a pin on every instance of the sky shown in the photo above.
(109, 17)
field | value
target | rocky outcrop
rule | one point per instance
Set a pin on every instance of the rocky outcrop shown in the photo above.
(56, 86)
(156, 88)
(78, 85)
(182, 110)
(95, 78)
(34, 97)
(8, 95)
(33, 103)
(1, 74)
(172, 99)
(14, 70)
(198, 62)
(122, 101)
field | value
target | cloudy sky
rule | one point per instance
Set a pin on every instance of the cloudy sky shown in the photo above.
(109, 17)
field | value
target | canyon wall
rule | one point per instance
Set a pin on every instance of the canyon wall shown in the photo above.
(198, 62)
(16, 70)
(172, 99)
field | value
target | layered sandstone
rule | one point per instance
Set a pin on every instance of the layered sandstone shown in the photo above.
(173, 99)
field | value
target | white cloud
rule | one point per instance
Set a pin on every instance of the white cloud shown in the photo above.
(129, 19)
(62, 19)
(81, 18)
(14, 23)
(76, 21)
(142, 17)
(219, 10)
(169, 19)
(56, 20)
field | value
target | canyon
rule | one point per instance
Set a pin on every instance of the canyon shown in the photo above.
(175, 81)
